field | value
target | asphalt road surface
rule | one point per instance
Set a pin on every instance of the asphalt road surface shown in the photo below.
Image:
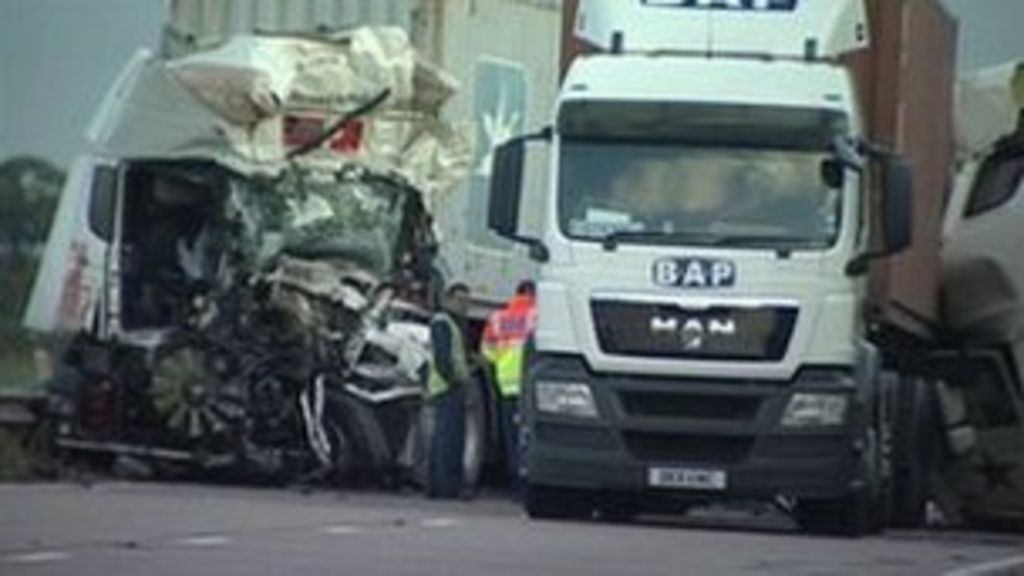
(156, 529)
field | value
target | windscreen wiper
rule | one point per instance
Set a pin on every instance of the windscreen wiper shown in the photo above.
(611, 241)
(775, 242)
(781, 244)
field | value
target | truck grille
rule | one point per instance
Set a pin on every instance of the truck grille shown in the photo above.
(691, 448)
(699, 406)
(670, 331)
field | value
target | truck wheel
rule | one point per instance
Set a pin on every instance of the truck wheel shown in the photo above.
(881, 511)
(913, 445)
(844, 517)
(617, 508)
(547, 503)
(343, 457)
(475, 446)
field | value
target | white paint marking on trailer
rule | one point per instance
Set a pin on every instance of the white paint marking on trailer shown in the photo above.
(41, 557)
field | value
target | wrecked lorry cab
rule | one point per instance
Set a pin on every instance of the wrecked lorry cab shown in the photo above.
(982, 280)
(244, 257)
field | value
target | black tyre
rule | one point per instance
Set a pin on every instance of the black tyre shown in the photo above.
(547, 503)
(474, 452)
(617, 508)
(914, 452)
(850, 516)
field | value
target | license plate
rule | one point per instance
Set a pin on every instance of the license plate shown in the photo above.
(690, 478)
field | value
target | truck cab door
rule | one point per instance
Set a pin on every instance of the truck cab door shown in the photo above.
(104, 208)
(68, 291)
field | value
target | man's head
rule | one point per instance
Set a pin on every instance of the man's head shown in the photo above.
(456, 299)
(526, 288)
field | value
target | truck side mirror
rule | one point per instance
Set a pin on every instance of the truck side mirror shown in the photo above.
(833, 173)
(506, 188)
(897, 184)
(897, 206)
(103, 201)
(506, 197)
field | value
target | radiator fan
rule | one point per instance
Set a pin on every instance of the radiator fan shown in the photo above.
(194, 396)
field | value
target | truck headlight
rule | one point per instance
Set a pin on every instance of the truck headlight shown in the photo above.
(809, 409)
(567, 398)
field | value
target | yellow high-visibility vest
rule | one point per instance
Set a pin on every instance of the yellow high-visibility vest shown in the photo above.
(437, 383)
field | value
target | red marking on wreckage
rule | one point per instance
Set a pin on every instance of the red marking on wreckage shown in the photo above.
(74, 291)
(301, 130)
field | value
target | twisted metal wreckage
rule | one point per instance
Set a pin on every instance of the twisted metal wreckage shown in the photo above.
(252, 296)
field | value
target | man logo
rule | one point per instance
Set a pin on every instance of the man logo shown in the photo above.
(693, 331)
(692, 334)
(694, 273)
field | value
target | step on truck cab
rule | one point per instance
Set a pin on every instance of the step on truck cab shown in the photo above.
(713, 202)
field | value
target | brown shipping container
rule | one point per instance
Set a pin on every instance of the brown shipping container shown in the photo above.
(907, 87)
(906, 81)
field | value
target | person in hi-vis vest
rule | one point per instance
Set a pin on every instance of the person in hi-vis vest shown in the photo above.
(504, 345)
(449, 377)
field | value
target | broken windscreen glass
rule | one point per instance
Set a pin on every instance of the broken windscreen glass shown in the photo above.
(338, 218)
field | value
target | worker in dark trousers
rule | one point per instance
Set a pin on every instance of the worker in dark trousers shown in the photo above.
(446, 393)
(504, 344)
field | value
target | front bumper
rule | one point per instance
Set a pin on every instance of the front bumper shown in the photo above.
(723, 426)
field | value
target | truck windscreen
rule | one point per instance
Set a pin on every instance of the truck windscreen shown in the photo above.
(698, 175)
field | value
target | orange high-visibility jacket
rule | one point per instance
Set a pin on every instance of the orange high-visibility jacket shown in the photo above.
(504, 341)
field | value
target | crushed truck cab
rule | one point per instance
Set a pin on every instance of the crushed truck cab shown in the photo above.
(243, 259)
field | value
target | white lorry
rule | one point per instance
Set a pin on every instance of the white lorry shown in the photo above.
(723, 176)
(243, 258)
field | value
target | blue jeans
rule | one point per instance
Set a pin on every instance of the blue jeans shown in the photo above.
(510, 436)
(447, 445)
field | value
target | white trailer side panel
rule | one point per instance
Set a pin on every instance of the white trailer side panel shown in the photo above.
(195, 24)
(505, 56)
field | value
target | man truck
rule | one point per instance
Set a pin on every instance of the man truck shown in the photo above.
(736, 267)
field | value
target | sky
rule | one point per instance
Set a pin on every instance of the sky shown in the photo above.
(57, 57)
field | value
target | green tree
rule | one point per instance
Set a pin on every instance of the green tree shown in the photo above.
(29, 189)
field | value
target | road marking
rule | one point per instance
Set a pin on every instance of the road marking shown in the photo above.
(342, 530)
(205, 541)
(439, 522)
(37, 557)
(1006, 567)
